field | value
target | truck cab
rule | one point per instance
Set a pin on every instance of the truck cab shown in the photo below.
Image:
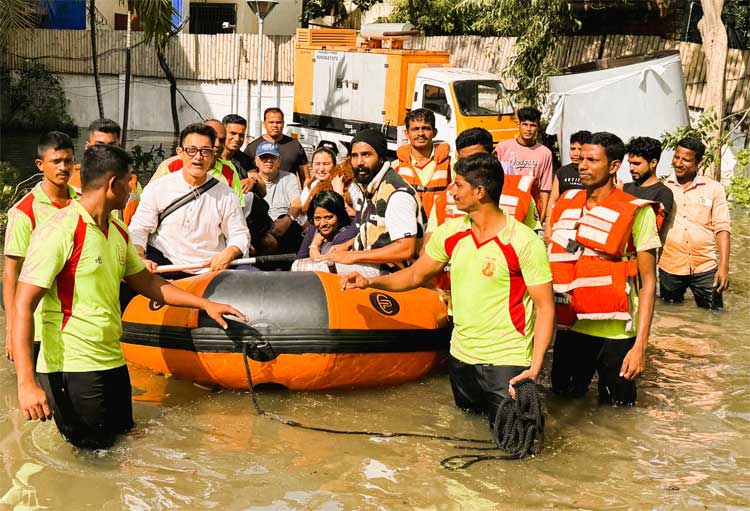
(463, 99)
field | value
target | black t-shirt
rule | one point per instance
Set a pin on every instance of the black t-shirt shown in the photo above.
(243, 163)
(657, 192)
(567, 178)
(293, 155)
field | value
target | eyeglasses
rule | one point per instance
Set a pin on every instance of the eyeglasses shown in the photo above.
(192, 151)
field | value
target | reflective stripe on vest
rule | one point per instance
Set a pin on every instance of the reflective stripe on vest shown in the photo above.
(590, 278)
(516, 197)
(433, 194)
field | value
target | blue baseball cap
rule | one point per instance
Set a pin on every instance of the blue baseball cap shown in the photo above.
(267, 147)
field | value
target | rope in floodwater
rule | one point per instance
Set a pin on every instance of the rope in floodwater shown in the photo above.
(518, 425)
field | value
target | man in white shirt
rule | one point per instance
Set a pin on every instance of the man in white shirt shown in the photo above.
(209, 231)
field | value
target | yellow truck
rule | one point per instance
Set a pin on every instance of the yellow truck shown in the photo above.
(344, 84)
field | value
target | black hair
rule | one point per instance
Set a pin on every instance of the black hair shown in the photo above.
(273, 110)
(105, 126)
(420, 114)
(529, 113)
(56, 140)
(100, 161)
(474, 136)
(646, 147)
(234, 119)
(200, 129)
(331, 201)
(580, 137)
(483, 170)
(613, 146)
(694, 144)
(324, 150)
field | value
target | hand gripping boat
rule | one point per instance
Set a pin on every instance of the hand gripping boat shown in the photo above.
(303, 332)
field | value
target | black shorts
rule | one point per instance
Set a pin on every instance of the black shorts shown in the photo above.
(577, 357)
(91, 408)
(480, 388)
(672, 288)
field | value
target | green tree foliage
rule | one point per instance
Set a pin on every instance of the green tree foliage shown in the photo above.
(536, 23)
(437, 17)
(33, 100)
(16, 14)
(9, 179)
(313, 9)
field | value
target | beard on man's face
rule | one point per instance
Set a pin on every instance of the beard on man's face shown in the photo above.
(364, 174)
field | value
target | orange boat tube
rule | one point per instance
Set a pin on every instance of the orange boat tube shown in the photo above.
(303, 332)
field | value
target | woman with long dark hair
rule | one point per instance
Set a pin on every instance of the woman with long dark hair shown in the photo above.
(329, 225)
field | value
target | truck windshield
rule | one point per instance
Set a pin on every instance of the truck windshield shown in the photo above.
(479, 97)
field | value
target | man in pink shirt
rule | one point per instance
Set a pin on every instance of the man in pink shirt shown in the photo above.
(700, 226)
(527, 156)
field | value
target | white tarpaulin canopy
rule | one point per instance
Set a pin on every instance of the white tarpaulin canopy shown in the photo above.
(630, 97)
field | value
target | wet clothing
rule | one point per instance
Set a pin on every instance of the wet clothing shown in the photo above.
(293, 155)
(657, 192)
(492, 310)
(480, 388)
(578, 356)
(672, 288)
(567, 178)
(81, 268)
(700, 212)
(90, 408)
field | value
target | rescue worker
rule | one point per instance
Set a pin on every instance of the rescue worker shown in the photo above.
(107, 131)
(426, 166)
(517, 198)
(55, 160)
(602, 251)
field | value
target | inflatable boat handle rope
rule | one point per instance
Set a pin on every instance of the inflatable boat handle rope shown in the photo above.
(517, 425)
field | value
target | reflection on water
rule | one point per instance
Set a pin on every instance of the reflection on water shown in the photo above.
(684, 446)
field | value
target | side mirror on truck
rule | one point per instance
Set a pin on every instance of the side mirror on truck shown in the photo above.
(445, 110)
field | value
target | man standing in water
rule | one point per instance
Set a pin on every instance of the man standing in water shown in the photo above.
(55, 161)
(603, 257)
(501, 287)
(75, 263)
(700, 223)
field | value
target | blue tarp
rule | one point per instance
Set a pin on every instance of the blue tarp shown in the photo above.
(66, 15)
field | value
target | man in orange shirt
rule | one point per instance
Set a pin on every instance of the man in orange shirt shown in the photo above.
(700, 224)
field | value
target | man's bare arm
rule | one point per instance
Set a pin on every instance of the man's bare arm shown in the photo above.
(414, 276)
(635, 360)
(12, 268)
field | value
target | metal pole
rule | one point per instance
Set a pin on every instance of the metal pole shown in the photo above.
(259, 120)
(234, 69)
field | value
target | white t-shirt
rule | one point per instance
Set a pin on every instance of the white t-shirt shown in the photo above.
(280, 192)
(197, 231)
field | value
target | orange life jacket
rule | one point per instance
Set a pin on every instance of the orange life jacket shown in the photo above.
(592, 256)
(435, 192)
(133, 199)
(516, 197)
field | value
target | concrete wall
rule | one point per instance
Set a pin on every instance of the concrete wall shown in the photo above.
(149, 100)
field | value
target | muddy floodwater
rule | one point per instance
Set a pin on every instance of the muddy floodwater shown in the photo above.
(685, 446)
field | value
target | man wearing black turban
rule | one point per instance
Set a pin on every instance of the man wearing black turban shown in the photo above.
(389, 216)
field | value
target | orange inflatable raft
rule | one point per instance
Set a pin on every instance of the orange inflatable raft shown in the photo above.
(303, 332)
